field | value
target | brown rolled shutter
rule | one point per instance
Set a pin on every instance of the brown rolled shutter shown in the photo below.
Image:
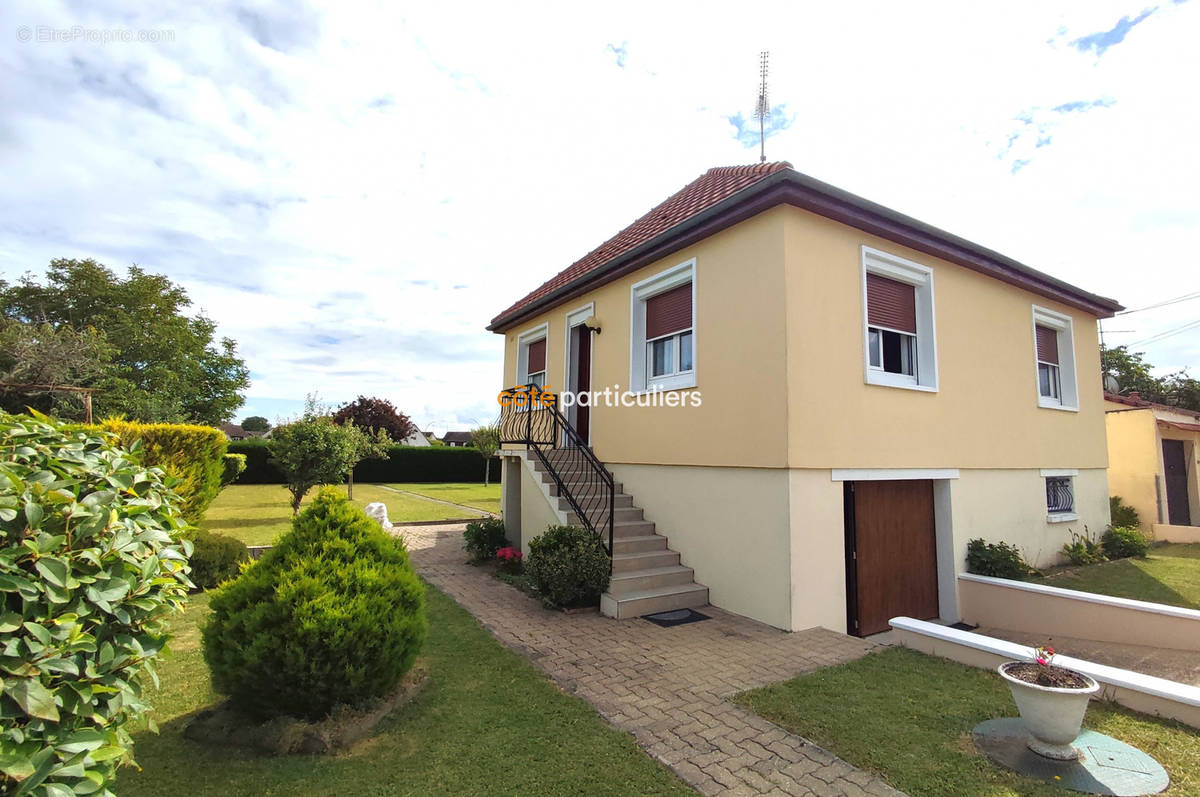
(1047, 344)
(891, 304)
(669, 312)
(537, 357)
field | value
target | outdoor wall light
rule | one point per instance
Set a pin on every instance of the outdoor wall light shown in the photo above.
(591, 324)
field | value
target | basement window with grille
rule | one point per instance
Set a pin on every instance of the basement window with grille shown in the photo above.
(898, 324)
(1060, 498)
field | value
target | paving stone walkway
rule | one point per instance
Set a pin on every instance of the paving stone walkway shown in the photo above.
(666, 686)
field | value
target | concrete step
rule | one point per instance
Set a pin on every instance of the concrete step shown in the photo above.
(591, 488)
(620, 501)
(639, 544)
(644, 560)
(650, 578)
(622, 514)
(651, 601)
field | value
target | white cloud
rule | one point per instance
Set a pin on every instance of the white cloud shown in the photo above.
(324, 180)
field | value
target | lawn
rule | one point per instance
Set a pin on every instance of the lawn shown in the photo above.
(487, 723)
(258, 513)
(908, 718)
(1170, 574)
(475, 495)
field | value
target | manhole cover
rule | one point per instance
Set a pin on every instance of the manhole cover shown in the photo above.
(1105, 765)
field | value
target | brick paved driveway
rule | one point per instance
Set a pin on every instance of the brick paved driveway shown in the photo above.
(666, 686)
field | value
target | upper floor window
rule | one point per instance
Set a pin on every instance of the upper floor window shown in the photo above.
(662, 351)
(531, 357)
(1054, 356)
(899, 340)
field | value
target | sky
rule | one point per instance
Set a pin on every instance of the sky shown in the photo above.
(352, 190)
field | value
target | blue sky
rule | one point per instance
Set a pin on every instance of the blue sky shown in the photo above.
(352, 190)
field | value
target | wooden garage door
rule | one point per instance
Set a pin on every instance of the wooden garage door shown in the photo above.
(893, 554)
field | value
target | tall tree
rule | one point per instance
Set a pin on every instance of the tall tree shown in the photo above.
(1132, 372)
(41, 354)
(164, 365)
(376, 413)
(256, 423)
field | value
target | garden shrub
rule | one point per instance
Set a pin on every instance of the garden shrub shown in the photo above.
(485, 537)
(91, 560)
(996, 559)
(1123, 516)
(568, 566)
(192, 454)
(233, 466)
(333, 614)
(1083, 550)
(215, 558)
(1119, 543)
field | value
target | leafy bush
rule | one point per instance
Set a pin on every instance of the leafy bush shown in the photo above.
(996, 559)
(568, 565)
(215, 558)
(1123, 516)
(192, 454)
(485, 537)
(434, 463)
(1083, 550)
(90, 562)
(1119, 543)
(234, 465)
(333, 614)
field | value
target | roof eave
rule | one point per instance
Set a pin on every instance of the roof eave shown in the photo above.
(791, 187)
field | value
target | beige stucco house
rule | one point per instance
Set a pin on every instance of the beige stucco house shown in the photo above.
(1154, 464)
(815, 402)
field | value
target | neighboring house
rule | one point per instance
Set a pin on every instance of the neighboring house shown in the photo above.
(1153, 460)
(416, 438)
(897, 391)
(235, 432)
(457, 439)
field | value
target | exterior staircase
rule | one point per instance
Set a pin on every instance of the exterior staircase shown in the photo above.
(647, 576)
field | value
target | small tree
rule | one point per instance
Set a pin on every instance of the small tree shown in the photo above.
(486, 440)
(376, 413)
(314, 450)
(256, 423)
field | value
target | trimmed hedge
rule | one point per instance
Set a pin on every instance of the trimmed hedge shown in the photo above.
(403, 464)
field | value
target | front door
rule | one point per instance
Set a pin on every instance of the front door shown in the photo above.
(1175, 468)
(581, 377)
(891, 553)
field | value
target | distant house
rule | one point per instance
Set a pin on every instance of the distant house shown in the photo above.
(457, 439)
(235, 432)
(416, 438)
(1153, 459)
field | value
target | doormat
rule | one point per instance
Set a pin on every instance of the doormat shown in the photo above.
(964, 627)
(677, 617)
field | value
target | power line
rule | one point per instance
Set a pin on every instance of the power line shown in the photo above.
(1168, 333)
(1176, 300)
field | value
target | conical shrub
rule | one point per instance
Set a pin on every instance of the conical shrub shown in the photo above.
(334, 614)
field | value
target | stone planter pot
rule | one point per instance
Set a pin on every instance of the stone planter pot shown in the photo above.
(1052, 715)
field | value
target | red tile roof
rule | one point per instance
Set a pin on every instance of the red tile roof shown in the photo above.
(1134, 399)
(710, 188)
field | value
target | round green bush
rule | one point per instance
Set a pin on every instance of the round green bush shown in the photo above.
(333, 615)
(91, 560)
(216, 558)
(568, 566)
(483, 538)
(1119, 543)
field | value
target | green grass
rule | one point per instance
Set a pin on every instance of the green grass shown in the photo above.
(1170, 574)
(258, 513)
(908, 718)
(476, 495)
(487, 723)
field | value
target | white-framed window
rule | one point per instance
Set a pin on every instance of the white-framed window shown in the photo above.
(1060, 495)
(663, 334)
(531, 356)
(899, 337)
(1054, 359)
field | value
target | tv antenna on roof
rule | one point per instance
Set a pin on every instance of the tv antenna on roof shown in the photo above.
(762, 109)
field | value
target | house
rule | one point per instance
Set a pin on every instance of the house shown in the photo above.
(897, 391)
(457, 439)
(416, 438)
(235, 432)
(1153, 464)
